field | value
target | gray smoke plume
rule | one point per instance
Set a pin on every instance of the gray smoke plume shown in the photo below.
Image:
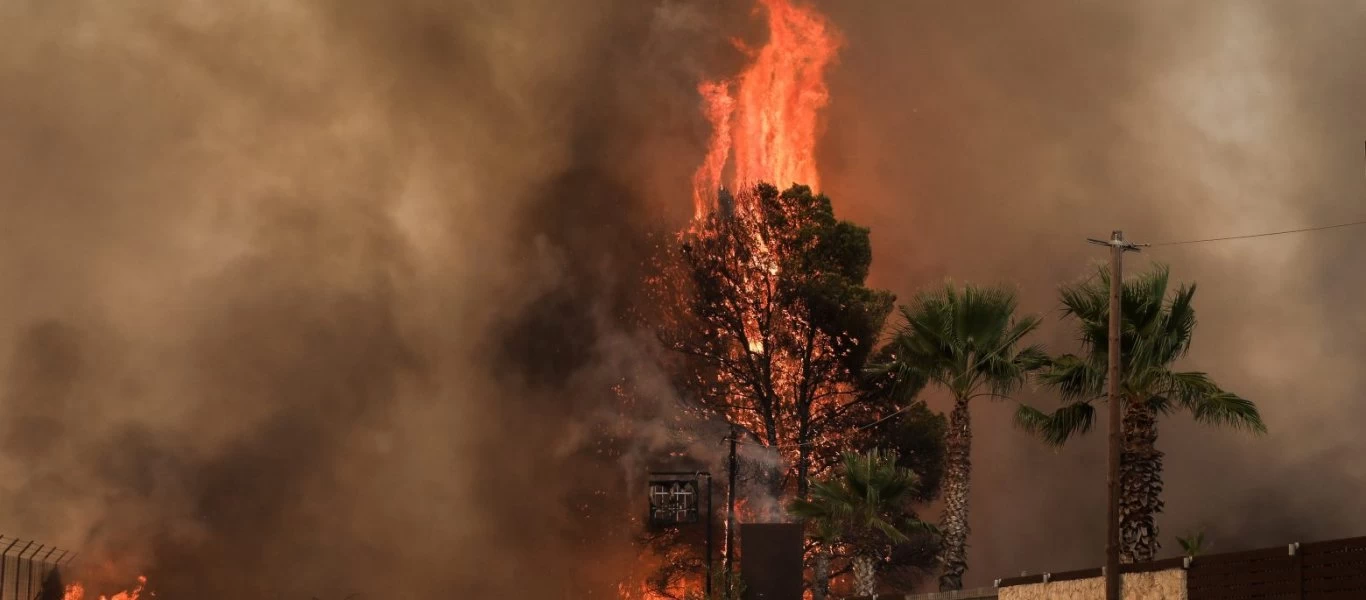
(996, 141)
(314, 298)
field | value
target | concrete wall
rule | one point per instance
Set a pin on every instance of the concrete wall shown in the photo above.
(1158, 585)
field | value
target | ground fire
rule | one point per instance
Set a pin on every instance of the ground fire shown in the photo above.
(76, 591)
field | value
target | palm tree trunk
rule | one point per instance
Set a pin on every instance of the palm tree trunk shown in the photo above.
(821, 574)
(1141, 477)
(865, 576)
(956, 482)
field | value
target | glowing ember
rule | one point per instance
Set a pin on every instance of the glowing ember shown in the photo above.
(771, 121)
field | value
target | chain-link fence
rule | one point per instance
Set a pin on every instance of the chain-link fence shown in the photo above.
(28, 569)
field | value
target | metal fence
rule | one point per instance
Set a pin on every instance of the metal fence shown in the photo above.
(25, 565)
(1328, 570)
(1317, 571)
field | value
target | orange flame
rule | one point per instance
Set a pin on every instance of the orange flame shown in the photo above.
(765, 123)
(773, 119)
(76, 591)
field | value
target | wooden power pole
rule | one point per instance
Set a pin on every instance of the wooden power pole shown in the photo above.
(1117, 249)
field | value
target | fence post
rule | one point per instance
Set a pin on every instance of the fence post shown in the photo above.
(1299, 570)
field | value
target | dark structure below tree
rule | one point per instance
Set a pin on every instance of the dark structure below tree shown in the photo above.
(771, 560)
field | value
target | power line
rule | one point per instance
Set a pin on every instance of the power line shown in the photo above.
(1266, 234)
(899, 411)
(1258, 235)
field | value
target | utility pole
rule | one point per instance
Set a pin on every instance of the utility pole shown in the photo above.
(730, 509)
(711, 519)
(1117, 249)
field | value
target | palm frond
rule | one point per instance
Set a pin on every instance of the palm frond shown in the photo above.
(1033, 358)
(1181, 318)
(1087, 300)
(893, 534)
(1075, 378)
(1157, 330)
(962, 338)
(1229, 410)
(1055, 429)
(867, 495)
(1031, 419)
(1184, 387)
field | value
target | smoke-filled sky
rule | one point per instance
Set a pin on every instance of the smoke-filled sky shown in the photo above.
(318, 297)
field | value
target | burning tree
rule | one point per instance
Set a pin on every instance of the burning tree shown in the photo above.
(770, 309)
(763, 296)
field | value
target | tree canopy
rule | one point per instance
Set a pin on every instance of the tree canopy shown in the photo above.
(772, 312)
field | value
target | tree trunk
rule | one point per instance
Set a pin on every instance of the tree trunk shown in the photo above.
(803, 462)
(956, 482)
(1141, 478)
(771, 510)
(820, 574)
(865, 576)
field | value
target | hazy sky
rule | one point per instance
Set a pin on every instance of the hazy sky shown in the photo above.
(994, 143)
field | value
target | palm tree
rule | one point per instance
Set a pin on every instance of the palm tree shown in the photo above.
(1156, 331)
(968, 342)
(1192, 545)
(864, 503)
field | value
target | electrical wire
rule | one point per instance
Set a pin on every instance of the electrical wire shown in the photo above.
(1259, 235)
(899, 411)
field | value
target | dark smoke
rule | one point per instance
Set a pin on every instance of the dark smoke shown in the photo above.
(316, 298)
(324, 298)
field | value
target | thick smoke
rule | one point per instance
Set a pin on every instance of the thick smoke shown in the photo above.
(315, 298)
(996, 141)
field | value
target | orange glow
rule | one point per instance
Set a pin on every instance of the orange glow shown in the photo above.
(644, 583)
(644, 592)
(718, 106)
(76, 591)
(769, 116)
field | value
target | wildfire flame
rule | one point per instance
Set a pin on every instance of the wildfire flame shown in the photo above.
(76, 591)
(765, 123)
(768, 116)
